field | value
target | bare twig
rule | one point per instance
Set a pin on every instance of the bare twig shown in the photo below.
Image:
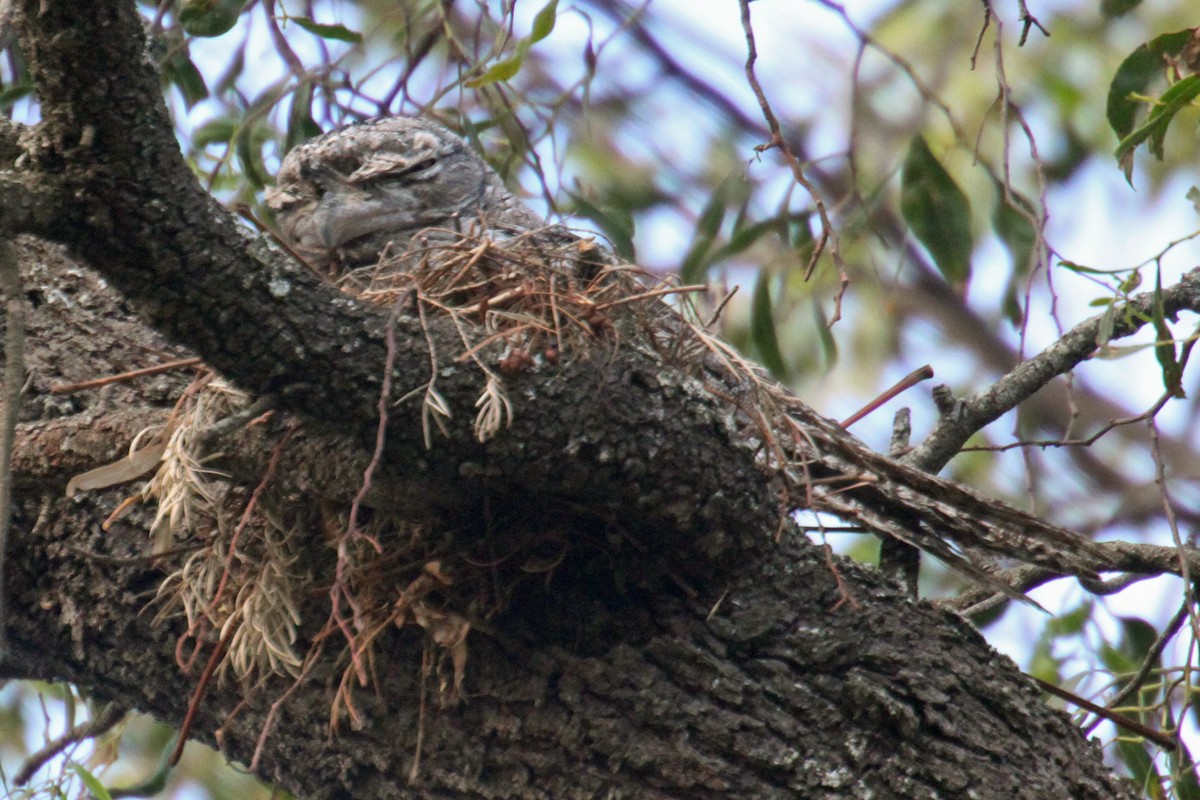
(109, 716)
(68, 388)
(828, 236)
(904, 384)
(1152, 655)
(1075, 346)
(1164, 740)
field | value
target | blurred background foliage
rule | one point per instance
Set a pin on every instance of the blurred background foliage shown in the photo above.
(988, 180)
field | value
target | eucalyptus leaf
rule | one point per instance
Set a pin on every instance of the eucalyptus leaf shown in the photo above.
(937, 212)
(339, 33)
(762, 325)
(207, 18)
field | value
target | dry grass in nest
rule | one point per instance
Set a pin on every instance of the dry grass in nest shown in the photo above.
(518, 303)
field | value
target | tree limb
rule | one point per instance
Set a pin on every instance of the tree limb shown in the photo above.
(1077, 345)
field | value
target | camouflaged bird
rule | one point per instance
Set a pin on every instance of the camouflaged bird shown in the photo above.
(342, 198)
(348, 198)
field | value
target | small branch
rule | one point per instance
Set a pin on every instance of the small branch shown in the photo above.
(1029, 21)
(109, 716)
(904, 384)
(68, 388)
(900, 560)
(1076, 346)
(828, 236)
(1163, 740)
(1136, 562)
(1148, 663)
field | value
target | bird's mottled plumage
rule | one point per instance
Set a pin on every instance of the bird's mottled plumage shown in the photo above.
(342, 198)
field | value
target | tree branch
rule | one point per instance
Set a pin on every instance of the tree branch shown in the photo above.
(1077, 345)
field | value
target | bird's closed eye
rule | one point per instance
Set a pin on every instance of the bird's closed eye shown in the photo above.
(391, 166)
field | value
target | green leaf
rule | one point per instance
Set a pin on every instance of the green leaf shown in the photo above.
(1135, 75)
(543, 23)
(713, 214)
(210, 17)
(1072, 622)
(803, 241)
(338, 33)
(180, 71)
(1141, 767)
(91, 782)
(1186, 786)
(249, 155)
(215, 131)
(1164, 346)
(301, 126)
(615, 223)
(743, 238)
(504, 70)
(1108, 323)
(829, 348)
(762, 326)
(11, 94)
(1012, 225)
(937, 211)
(1118, 8)
(1179, 96)
(500, 71)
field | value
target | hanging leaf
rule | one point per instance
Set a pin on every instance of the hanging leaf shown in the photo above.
(11, 94)
(803, 241)
(743, 237)
(713, 214)
(695, 263)
(504, 70)
(338, 33)
(762, 326)
(1179, 96)
(210, 17)
(183, 74)
(1118, 8)
(1164, 346)
(1137, 760)
(247, 145)
(1135, 75)
(1011, 221)
(301, 125)
(1186, 786)
(829, 348)
(215, 131)
(937, 212)
(91, 782)
(543, 23)
(616, 224)
(500, 71)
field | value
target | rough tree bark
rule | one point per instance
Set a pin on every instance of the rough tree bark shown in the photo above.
(716, 663)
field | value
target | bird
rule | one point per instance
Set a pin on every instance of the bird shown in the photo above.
(347, 199)
(344, 197)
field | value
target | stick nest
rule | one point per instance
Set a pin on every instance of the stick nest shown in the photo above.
(519, 302)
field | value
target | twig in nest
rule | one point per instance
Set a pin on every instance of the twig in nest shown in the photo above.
(68, 388)
(907, 382)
